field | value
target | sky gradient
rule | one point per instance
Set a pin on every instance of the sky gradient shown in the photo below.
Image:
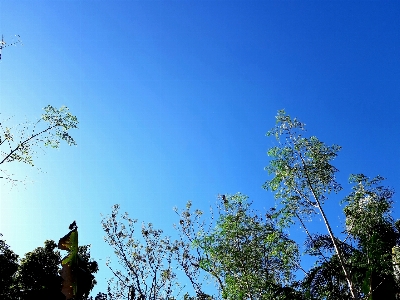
(174, 99)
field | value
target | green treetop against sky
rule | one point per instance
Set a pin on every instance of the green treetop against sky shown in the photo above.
(174, 99)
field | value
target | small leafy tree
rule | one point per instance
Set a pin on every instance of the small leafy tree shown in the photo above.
(38, 276)
(19, 144)
(145, 258)
(247, 255)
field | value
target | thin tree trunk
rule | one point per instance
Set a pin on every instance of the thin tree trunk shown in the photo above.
(335, 244)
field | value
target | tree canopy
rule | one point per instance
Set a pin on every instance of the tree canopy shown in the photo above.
(249, 254)
(37, 274)
(8, 268)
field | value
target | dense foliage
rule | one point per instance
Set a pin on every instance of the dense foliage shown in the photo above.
(37, 274)
(249, 254)
(361, 265)
(8, 267)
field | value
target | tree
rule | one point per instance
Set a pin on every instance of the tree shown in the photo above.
(250, 256)
(303, 178)
(38, 273)
(8, 269)
(374, 231)
(147, 271)
(90, 267)
(38, 276)
(247, 255)
(372, 235)
(186, 254)
(19, 145)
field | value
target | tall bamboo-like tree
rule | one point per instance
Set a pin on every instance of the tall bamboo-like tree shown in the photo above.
(303, 179)
(359, 267)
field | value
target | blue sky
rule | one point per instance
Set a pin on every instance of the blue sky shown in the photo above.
(174, 99)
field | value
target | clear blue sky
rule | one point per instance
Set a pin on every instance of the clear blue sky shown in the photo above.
(174, 99)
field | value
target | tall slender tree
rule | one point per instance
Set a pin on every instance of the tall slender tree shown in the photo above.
(359, 267)
(303, 178)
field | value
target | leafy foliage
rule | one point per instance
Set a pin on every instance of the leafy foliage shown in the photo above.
(303, 178)
(147, 262)
(359, 267)
(247, 255)
(303, 174)
(20, 142)
(38, 273)
(373, 230)
(186, 255)
(8, 270)
(250, 256)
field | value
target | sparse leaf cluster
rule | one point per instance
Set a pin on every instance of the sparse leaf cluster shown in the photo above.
(20, 143)
(145, 258)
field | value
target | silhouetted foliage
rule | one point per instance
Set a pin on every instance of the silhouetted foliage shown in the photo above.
(36, 275)
(8, 270)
